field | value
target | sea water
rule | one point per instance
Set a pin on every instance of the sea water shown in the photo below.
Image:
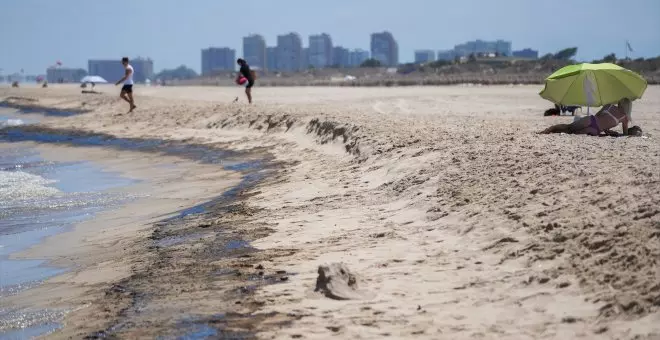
(38, 199)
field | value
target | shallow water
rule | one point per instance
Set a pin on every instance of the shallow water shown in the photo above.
(74, 187)
(42, 111)
(30, 332)
(41, 200)
(202, 153)
(38, 199)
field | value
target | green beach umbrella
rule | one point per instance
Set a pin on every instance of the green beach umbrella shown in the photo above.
(593, 85)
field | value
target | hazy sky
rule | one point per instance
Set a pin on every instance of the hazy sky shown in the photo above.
(36, 33)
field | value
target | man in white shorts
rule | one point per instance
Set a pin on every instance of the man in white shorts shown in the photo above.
(127, 90)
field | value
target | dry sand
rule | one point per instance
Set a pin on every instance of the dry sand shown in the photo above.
(457, 219)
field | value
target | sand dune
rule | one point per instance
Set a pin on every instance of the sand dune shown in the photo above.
(456, 218)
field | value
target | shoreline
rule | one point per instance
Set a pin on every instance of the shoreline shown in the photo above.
(93, 254)
(451, 215)
(82, 190)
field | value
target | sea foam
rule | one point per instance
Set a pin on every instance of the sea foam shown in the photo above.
(19, 186)
(11, 122)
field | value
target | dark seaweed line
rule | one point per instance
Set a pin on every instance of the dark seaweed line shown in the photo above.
(48, 111)
(35, 133)
(139, 300)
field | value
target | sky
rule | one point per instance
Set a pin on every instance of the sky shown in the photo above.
(34, 34)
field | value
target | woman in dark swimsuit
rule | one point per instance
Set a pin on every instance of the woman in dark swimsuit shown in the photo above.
(607, 118)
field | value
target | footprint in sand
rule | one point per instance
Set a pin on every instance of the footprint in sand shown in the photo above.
(377, 107)
(400, 107)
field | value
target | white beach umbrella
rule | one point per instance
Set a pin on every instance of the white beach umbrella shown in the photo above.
(93, 79)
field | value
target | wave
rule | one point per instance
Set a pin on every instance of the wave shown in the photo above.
(11, 122)
(20, 186)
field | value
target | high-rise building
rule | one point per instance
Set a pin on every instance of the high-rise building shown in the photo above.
(143, 69)
(503, 48)
(65, 74)
(289, 52)
(108, 69)
(526, 53)
(254, 50)
(19, 77)
(112, 69)
(384, 48)
(320, 50)
(218, 59)
(357, 57)
(499, 47)
(271, 58)
(446, 55)
(341, 56)
(304, 63)
(424, 56)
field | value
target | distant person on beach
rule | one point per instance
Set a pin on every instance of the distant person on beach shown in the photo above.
(127, 90)
(247, 74)
(607, 118)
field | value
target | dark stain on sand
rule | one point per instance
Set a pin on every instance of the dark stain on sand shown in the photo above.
(27, 106)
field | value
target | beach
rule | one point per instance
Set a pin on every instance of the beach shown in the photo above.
(99, 243)
(454, 217)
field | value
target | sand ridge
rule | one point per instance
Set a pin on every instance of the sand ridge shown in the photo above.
(460, 219)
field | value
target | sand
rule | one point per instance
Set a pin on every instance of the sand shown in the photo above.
(457, 220)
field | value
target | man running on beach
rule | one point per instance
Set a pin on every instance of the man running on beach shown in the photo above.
(247, 73)
(127, 90)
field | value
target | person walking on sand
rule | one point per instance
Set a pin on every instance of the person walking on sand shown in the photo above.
(127, 90)
(249, 75)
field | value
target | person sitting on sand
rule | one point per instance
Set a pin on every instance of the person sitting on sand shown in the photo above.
(607, 118)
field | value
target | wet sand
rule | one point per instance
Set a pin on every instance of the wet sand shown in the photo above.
(458, 219)
(107, 248)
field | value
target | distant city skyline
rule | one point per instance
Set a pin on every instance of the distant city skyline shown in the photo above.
(290, 54)
(36, 33)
